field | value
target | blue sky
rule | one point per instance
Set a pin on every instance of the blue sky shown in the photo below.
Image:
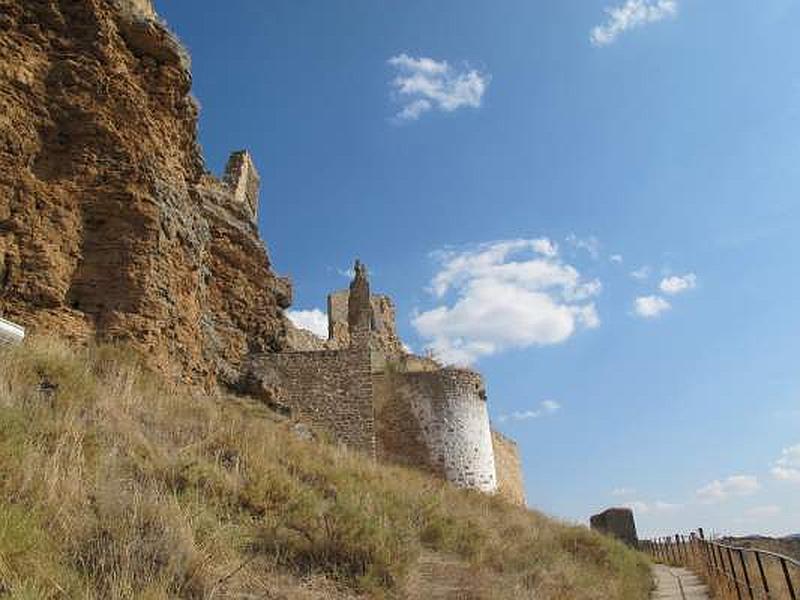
(593, 201)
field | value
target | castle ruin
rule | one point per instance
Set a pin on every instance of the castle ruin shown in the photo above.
(365, 390)
(111, 228)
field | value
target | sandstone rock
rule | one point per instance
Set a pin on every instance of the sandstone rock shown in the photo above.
(110, 226)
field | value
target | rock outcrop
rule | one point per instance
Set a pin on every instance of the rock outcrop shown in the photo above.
(110, 225)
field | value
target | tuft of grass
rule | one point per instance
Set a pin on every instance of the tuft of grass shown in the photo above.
(117, 484)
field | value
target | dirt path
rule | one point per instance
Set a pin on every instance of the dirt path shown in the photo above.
(678, 584)
(440, 577)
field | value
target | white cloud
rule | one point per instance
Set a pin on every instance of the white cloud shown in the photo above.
(547, 407)
(677, 284)
(313, 320)
(616, 258)
(424, 84)
(591, 245)
(506, 294)
(623, 491)
(630, 15)
(641, 273)
(736, 485)
(787, 467)
(650, 307)
(637, 506)
(659, 506)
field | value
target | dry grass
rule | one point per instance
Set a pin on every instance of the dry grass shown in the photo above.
(114, 484)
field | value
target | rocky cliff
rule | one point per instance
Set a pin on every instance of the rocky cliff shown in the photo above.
(110, 225)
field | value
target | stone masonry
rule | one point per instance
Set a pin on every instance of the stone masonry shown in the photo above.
(618, 523)
(440, 419)
(508, 465)
(113, 229)
(330, 389)
(413, 411)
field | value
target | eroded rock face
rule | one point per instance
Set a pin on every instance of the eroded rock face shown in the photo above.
(110, 226)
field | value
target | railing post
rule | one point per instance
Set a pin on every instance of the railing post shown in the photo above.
(704, 545)
(714, 566)
(721, 567)
(733, 575)
(764, 581)
(789, 583)
(746, 574)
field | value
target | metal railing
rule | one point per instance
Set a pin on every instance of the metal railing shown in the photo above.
(731, 571)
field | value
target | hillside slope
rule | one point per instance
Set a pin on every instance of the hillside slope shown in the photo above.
(114, 484)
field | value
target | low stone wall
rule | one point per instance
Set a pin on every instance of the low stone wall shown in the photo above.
(510, 484)
(437, 420)
(331, 390)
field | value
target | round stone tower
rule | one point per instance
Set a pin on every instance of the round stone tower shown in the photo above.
(465, 445)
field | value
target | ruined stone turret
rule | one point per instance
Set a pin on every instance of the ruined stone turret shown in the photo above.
(359, 307)
(243, 179)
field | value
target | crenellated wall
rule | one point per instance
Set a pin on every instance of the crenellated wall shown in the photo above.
(438, 420)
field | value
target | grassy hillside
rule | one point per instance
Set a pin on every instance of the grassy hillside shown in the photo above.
(114, 484)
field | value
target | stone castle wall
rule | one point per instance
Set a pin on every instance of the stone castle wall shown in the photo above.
(508, 466)
(332, 390)
(437, 420)
(384, 339)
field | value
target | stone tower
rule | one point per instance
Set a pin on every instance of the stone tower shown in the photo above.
(359, 307)
(243, 180)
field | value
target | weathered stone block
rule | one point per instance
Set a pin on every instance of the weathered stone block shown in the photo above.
(618, 523)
